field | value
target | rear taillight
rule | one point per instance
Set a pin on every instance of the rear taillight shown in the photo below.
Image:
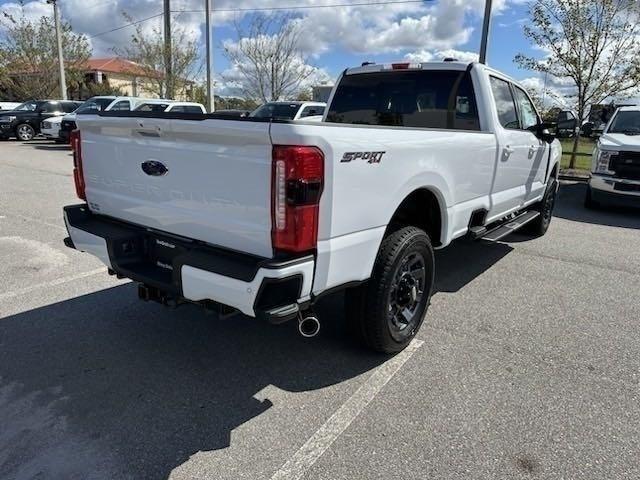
(78, 177)
(297, 181)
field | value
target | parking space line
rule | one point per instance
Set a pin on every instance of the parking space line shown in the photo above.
(52, 283)
(322, 439)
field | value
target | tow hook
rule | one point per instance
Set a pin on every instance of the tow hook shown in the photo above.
(308, 324)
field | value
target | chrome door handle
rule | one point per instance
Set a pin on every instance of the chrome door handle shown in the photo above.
(508, 150)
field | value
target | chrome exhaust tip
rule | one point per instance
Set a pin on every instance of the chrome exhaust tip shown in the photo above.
(308, 326)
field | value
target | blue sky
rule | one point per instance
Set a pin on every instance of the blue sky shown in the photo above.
(338, 37)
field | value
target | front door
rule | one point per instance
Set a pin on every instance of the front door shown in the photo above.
(520, 157)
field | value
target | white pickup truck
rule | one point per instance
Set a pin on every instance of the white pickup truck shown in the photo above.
(615, 167)
(265, 217)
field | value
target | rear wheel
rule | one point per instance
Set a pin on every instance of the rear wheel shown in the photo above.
(387, 312)
(25, 132)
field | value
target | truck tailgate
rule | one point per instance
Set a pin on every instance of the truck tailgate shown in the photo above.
(216, 187)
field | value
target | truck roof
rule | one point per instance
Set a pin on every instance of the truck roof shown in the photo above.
(404, 65)
(629, 108)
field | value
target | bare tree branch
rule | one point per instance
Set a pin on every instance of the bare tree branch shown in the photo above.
(147, 50)
(595, 43)
(269, 59)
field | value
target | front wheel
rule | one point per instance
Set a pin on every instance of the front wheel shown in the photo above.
(25, 132)
(540, 225)
(589, 202)
(388, 311)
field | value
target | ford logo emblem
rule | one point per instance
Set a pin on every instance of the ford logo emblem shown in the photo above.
(154, 168)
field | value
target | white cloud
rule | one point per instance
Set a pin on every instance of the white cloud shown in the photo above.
(429, 30)
(395, 28)
(554, 92)
(372, 29)
(439, 55)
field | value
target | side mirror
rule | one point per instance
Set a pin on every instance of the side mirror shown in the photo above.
(545, 131)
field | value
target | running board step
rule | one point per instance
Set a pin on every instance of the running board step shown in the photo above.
(511, 226)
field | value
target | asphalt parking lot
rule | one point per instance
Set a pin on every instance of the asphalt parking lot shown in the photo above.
(527, 365)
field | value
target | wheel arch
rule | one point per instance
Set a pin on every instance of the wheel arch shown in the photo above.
(423, 207)
(556, 156)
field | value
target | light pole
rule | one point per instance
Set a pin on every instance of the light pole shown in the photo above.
(63, 80)
(211, 100)
(167, 51)
(486, 27)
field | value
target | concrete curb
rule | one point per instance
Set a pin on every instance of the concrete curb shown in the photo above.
(574, 176)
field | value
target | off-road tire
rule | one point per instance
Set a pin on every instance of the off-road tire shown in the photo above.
(368, 306)
(589, 202)
(540, 225)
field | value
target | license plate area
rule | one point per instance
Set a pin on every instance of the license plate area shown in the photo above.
(161, 252)
(150, 258)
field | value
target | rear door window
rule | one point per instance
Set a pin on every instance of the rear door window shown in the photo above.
(505, 105)
(152, 107)
(69, 107)
(186, 109)
(122, 106)
(52, 107)
(277, 111)
(422, 99)
(311, 111)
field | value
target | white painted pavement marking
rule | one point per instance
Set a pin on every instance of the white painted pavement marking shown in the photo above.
(320, 441)
(52, 283)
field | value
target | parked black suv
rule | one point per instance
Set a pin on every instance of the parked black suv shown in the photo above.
(24, 122)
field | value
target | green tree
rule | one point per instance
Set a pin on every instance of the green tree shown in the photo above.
(28, 56)
(147, 49)
(235, 103)
(595, 43)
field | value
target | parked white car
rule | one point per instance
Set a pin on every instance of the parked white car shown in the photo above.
(266, 216)
(615, 169)
(102, 103)
(7, 106)
(289, 110)
(50, 128)
(159, 105)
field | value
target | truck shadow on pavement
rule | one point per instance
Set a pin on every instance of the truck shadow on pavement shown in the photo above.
(570, 206)
(104, 386)
(463, 261)
(47, 145)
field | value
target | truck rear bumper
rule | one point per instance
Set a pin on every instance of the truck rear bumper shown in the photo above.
(186, 269)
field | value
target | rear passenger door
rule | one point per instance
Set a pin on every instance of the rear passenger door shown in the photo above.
(519, 150)
(122, 106)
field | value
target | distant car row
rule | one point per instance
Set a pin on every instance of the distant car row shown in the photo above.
(55, 119)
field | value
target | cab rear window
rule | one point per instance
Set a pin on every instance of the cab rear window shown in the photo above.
(422, 99)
